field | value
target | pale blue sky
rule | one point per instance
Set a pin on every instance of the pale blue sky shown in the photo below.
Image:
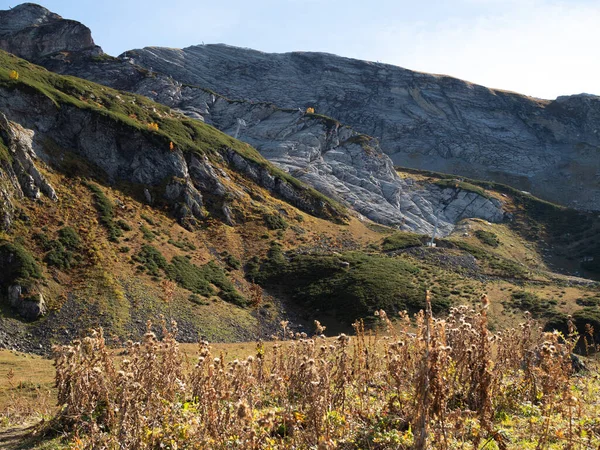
(542, 48)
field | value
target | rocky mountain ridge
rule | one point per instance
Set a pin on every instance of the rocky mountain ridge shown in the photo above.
(422, 121)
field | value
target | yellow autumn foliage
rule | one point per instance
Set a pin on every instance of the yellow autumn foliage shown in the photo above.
(14, 75)
(153, 126)
(310, 110)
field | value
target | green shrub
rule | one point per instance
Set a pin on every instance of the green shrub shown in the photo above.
(232, 262)
(528, 301)
(275, 222)
(399, 241)
(353, 284)
(252, 269)
(106, 211)
(147, 233)
(43, 240)
(183, 245)
(123, 225)
(151, 260)
(59, 256)
(488, 238)
(593, 301)
(199, 279)
(19, 265)
(148, 219)
(195, 298)
(69, 238)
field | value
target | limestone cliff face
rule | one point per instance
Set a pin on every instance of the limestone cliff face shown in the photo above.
(19, 173)
(551, 148)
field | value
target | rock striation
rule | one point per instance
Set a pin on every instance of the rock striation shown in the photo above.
(333, 158)
(19, 174)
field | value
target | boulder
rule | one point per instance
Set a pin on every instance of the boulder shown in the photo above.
(27, 301)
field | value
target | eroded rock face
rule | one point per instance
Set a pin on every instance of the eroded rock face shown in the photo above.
(125, 153)
(19, 174)
(334, 159)
(422, 121)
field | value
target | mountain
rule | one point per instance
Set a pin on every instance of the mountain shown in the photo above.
(333, 158)
(119, 206)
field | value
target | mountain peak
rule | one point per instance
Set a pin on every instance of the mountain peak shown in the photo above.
(25, 15)
(33, 32)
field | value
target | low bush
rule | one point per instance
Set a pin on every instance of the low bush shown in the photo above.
(199, 279)
(352, 284)
(275, 222)
(59, 256)
(69, 238)
(399, 241)
(488, 238)
(528, 301)
(106, 211)
(18, 264)
(232, 262)
(151, 259)
(147, 234)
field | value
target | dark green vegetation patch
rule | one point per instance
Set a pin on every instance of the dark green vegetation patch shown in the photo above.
(106, 211)
(488, 238)
(352, 284)
(400, 241)
(528, 301)
(275, 222)
(151, 260)
(63, 252)
(198, 279)
(18, 265)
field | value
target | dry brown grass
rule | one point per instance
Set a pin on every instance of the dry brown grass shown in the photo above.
(27, 392)
(452, 384)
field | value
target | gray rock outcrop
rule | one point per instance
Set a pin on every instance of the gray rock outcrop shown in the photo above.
(334, 159)
(30, 305)
(19, 174)
(121, 152)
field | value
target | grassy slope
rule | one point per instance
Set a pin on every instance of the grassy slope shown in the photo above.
(567, 235)
(139, 113)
